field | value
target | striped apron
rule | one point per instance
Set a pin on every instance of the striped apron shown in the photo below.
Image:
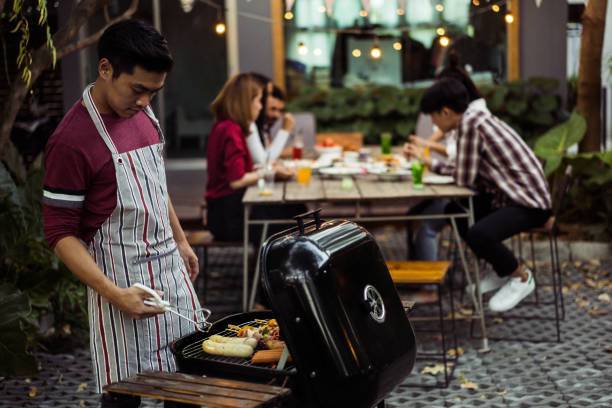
(135, 245)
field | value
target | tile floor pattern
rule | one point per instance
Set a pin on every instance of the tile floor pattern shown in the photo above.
(574, 373)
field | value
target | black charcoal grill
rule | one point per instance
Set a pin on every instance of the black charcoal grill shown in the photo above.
(338, 312)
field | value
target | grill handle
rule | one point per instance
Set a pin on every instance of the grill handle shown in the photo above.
(316, 214)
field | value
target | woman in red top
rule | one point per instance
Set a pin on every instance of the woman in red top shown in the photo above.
(230, 167)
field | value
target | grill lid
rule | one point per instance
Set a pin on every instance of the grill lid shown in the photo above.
(338, 311)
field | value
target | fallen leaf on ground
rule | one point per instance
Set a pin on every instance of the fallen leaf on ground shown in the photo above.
(608, 349)
(576, 264)
(466, 311)
(583, 303)
(436, 369)
(595, 312)
(604, 297)
(466, 384)
(81, 387)
(504, 392)
(546, 288)
(28, 380)
(565, 290)
(595, 262)
(82, 403)
(32, 392)
(484, 396)
(60, 378)
(497, 320)
(591, 283)
(452, 352)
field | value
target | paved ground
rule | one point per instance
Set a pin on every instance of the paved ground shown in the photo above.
(574, 373)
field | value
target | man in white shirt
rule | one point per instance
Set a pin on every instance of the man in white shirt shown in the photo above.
(268, 147)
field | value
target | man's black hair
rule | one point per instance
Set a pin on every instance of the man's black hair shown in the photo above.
(278, 93)
(447, 92)
(132, 42)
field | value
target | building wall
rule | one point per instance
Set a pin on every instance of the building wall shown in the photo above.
(543, 41)
(255, 37)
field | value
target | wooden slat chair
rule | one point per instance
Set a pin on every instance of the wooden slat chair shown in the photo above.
(201, 240)
(430, 273)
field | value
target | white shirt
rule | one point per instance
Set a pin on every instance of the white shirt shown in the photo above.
(261, 154)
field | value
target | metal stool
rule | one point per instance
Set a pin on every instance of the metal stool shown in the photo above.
(430, 273)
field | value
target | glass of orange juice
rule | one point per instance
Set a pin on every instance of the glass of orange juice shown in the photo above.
(303, 174)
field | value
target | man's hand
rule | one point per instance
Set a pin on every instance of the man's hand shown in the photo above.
(282, 172)
(418, 141)
(288, 122)
(190, 259)
(131, 302)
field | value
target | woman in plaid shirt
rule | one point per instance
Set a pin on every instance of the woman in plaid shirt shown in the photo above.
(513, 193)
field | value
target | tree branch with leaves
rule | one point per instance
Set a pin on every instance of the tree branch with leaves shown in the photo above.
(32, 62)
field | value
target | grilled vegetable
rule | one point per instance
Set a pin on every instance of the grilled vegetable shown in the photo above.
(227, 349)
(234, 340)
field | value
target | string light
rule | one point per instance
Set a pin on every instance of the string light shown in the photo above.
(509, 18)
(220, 28)
(439, 8)
(495, 8)
(321, 9)
(440, 31)
(363, 13)
(476, 3)
(302, 49)
(317, 51)
(376, 52)
(356, 53)
(288, 15)
(400, 12)
(444, 41)
(397, 46)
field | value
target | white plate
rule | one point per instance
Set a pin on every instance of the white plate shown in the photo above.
(438, 179)
(339, 171)
(390, 174)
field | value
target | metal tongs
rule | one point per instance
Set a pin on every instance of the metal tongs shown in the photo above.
(201, 315)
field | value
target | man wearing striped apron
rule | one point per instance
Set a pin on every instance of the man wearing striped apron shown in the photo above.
(107, 212)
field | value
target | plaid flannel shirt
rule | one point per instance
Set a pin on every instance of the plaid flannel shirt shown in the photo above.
(492, 158)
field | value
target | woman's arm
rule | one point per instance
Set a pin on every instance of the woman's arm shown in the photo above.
(256, 148)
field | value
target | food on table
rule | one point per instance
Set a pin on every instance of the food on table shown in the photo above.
(327, 142)
(389, 160)
(268, 356)
(227, 349)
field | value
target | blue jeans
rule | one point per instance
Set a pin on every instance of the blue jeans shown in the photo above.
(425, 245)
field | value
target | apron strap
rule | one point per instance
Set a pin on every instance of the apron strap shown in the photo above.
(97, 119)
(151, 115)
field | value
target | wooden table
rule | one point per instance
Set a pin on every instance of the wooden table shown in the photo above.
(200, 391)
(367, 190)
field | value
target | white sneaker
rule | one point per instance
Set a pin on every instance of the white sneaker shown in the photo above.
(512, 293)
(489, 282)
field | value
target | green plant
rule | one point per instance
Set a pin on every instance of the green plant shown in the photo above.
(591, 194)
(40, 299)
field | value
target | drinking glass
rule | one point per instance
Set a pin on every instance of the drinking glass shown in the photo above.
(303, 174)
(266, 181)
(418, 168)
(385, 143)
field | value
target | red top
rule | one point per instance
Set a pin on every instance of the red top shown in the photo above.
(228, 158)
(80, 188)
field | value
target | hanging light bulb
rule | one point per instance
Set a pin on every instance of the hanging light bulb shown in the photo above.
(476, 3)
(495, 8)
(220, 28)
(400, 12)
(439, 8)
(288, 15)
(444, 41)
(322, 9)
(397, 46)
(363, 13)
(509, 18)
(440, 31)
(302, 49)
(187, 5)
(317, 51)
(376, 52)
(356, 53)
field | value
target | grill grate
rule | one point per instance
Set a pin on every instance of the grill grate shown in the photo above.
(194, 350)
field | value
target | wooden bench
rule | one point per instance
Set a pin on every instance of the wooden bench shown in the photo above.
(430, 273)
(201, 391)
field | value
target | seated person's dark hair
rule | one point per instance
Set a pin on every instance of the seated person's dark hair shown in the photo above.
(132, 42)
(278, 93)
(454, 70)
(447, 92)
